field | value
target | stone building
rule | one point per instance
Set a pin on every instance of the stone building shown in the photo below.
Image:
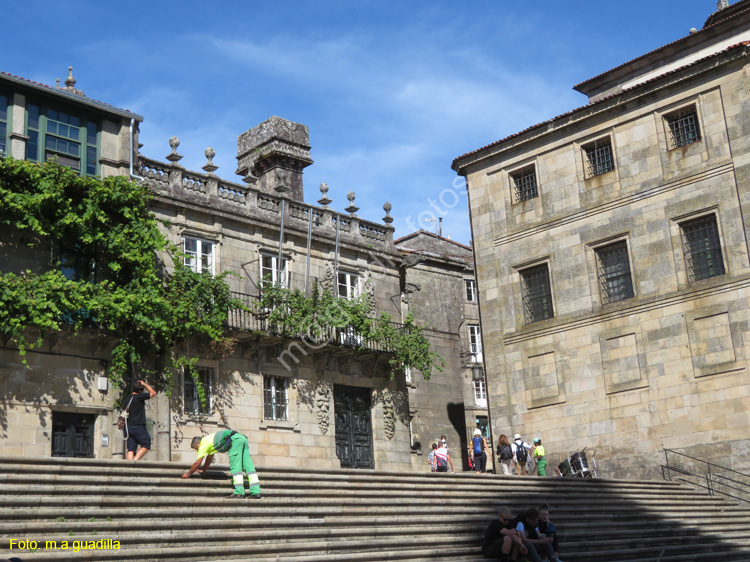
(336, 405)
(440, 289)
(613, 265)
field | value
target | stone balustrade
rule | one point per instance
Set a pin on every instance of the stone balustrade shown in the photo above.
(246, 199)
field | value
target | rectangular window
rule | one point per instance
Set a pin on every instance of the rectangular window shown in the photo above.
(475, 343)
(615, 281)
(407, 374)
(199, 254)
(275, 400)
(537, 293)
(4, 124)
(192, 397)
(599, 158)
(700, 238)
(69, 138)
(348, 285)
(76, 265)
(269, 270)
(683, 127)
(483, 425)
(480, 394)
(471, 290)
(524, 184)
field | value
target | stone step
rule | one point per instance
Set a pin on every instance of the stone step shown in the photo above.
(335, 516)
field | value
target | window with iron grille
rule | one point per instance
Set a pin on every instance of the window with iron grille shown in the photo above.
(599, 158)
(615, 281)
(703, 258)
(471, 290)
(275, 398)
(537, 293)
(524, 184)
(192, 398)
(683, 127)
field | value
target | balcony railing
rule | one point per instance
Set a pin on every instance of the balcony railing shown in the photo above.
(257, 319)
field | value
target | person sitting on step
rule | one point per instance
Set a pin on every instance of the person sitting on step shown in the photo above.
(537, 545)
(501, 540)
(548, 529)
(235, 444)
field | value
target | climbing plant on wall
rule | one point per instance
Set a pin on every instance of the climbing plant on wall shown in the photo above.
(321, 317)
(95, 245)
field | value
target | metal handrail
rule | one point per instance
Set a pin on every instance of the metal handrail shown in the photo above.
(715, 483)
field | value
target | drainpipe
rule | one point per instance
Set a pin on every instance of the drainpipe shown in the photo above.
(132, 155)
(336, 260)
(309, 242)
(279, 263)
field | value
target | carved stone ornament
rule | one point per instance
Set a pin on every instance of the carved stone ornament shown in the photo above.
(323, 403)
(324, 201)
(327, 282)
(387, 219)
(389, 413)
(210, 167)
(351, 209)
(173, 157)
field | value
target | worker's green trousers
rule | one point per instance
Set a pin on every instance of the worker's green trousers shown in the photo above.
(239, 462)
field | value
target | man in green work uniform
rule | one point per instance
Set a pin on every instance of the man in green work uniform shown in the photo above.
(235, 444)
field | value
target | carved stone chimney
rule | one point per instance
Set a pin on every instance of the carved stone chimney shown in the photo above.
(275, 152)
(721, 4)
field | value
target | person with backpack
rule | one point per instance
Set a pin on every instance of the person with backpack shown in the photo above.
(536, 543)
(479, 452)
(505, 454)
(235, 444)
(442, 460)
(520, 455)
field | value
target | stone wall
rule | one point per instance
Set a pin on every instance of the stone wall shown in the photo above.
(666, 368)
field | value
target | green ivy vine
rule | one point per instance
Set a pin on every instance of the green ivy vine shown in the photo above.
(321, 317)
(131, 297)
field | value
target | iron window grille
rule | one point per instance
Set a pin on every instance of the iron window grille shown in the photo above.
(599, 158)
(683, 127)
(471, 290)
(524, 184)
(615, 280)
(700, 238)
(275, 401)
(537, 294)
(192, 399)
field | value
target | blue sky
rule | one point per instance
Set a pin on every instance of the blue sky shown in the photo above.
(392, 91)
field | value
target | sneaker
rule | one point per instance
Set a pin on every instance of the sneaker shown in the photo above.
(254, 496)
(236, 496)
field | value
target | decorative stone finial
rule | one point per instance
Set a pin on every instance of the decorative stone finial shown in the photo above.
(210, 167)
(387, 219)
(174, 142)
(324, 201)
(70, 82)
(351, 209)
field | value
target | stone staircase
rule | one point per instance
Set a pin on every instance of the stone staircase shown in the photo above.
(344, 515)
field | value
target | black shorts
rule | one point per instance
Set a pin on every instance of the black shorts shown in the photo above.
(138, 436)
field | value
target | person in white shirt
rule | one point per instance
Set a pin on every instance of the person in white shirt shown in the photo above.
(521, 455)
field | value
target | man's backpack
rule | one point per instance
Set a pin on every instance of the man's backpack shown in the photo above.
(522, 453)
(441, 461)
(506, 452)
